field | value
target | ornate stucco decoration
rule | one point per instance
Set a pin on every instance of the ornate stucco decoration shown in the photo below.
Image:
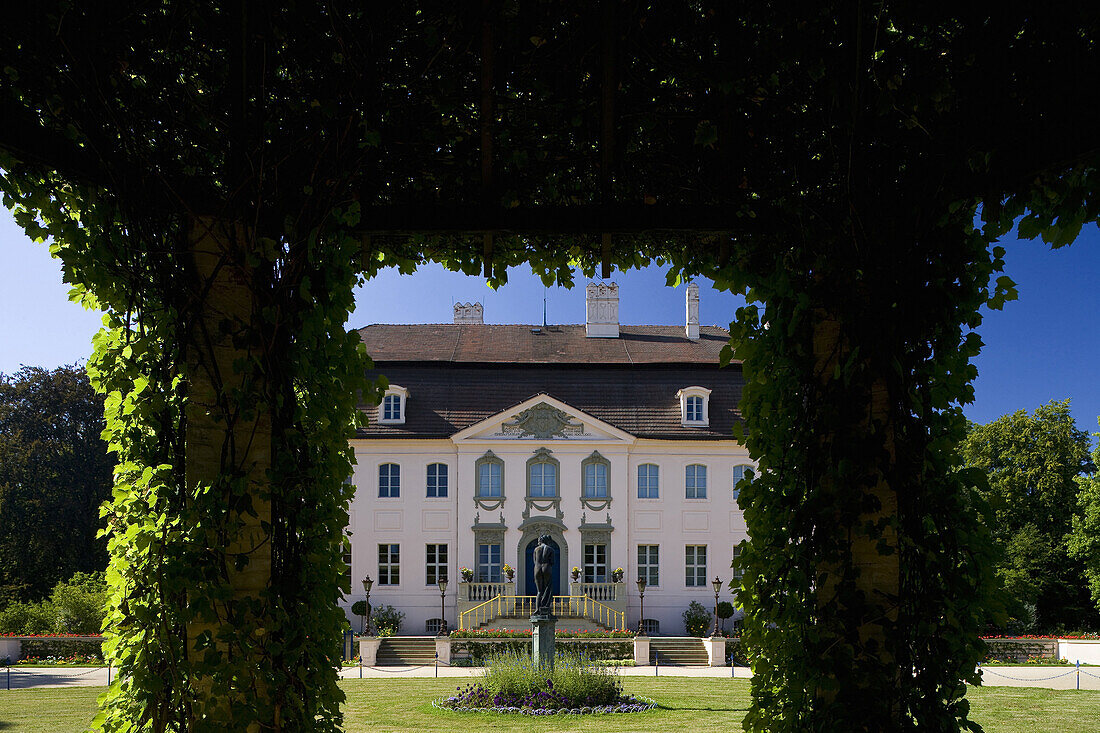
(543, 422)
(544, 505)
(593, 533)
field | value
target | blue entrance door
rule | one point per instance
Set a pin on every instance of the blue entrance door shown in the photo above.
(529, 568)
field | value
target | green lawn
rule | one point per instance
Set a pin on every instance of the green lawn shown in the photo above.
(696, 705)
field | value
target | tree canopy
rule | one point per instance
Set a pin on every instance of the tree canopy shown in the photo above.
(1033, 463)
(218, 179)
(55, 471)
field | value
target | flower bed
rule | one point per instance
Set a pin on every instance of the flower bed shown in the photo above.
(526, 634)
(513, 683)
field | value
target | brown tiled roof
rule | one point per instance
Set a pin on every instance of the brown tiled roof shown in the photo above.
(641, 400)
(518, 344)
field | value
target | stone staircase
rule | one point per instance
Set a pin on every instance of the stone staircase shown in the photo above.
(685, 651)
(394, 651)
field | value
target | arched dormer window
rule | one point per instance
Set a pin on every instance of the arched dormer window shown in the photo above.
(392, 409)
(694, 406)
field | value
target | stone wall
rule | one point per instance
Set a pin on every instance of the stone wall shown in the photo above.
(1020, 650)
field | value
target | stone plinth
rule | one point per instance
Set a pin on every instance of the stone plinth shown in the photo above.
(716, 650)
(368, 650)
(10, 649)
(443, 649)
(543, 626)
(641, 650)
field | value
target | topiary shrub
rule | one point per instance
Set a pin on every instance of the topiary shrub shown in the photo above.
(697, 619)
(725, 611)
(387, 620)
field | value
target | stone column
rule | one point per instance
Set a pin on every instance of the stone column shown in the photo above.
(543, 627)
(641, 650)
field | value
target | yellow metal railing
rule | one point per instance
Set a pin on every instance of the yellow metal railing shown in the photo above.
(563, 606)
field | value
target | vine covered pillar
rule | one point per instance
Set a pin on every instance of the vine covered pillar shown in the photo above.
(228, 442)
(867, 575)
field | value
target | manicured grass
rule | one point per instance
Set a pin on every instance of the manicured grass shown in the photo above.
(696, 705)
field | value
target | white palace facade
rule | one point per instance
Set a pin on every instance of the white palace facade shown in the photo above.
(613, 440)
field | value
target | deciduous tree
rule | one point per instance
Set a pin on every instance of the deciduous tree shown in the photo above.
(55, 472)
(1033, 463)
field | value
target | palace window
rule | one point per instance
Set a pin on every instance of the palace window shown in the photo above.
(694, 406)
(389, 480)
(695, 481)
(435, 565)
(392, 409)
(647, 564)
(595, 470)
(389, 564)
(738, 474)
(647, 481)
(437, 480)
(488, 563)
(595, 564)
(738, 573)
(542, 475)
(490, 476)
(695, 566)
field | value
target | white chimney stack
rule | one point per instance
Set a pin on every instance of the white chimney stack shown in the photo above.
(692, 328)
(602, 309)
(469, 313)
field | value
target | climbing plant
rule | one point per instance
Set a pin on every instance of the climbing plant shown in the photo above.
(217, 180)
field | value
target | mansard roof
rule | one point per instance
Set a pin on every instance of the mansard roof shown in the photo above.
(519, 344)
(459, 375)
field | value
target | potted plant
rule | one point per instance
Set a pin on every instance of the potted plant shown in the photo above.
(576, 573)
(466, 573)
(617, 575)
(509, 572)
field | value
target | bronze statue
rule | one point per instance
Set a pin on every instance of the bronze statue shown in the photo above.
(543, 557)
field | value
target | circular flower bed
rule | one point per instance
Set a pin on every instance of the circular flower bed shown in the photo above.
(465, 703)
(514, 683)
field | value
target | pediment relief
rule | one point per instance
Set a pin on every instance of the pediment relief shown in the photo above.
(542, 422)
(542, 418)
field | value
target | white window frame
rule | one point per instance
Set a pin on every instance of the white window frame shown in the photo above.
(695, 487)
(489, 571)
(389, 563)
(683, 395)
(443, 485)
(434, 567)
(402, 396)
(594, 569)
(693, 578)
(739, 472)
(651, 568)
(393, 480)
(653, 489)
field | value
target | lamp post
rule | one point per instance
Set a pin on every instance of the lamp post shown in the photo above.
(367, 583)
(442, 612)
(717, 588)
(641, 606)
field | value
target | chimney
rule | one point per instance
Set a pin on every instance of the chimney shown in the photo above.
(602, 309)
(692, 327)
(466, 313)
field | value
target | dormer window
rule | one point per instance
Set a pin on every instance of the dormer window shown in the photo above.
(694, 406)
(392, 409)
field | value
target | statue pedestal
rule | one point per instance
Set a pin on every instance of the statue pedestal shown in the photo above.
(543, 625)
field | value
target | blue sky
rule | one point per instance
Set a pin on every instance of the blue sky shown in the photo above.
(1044, 346)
